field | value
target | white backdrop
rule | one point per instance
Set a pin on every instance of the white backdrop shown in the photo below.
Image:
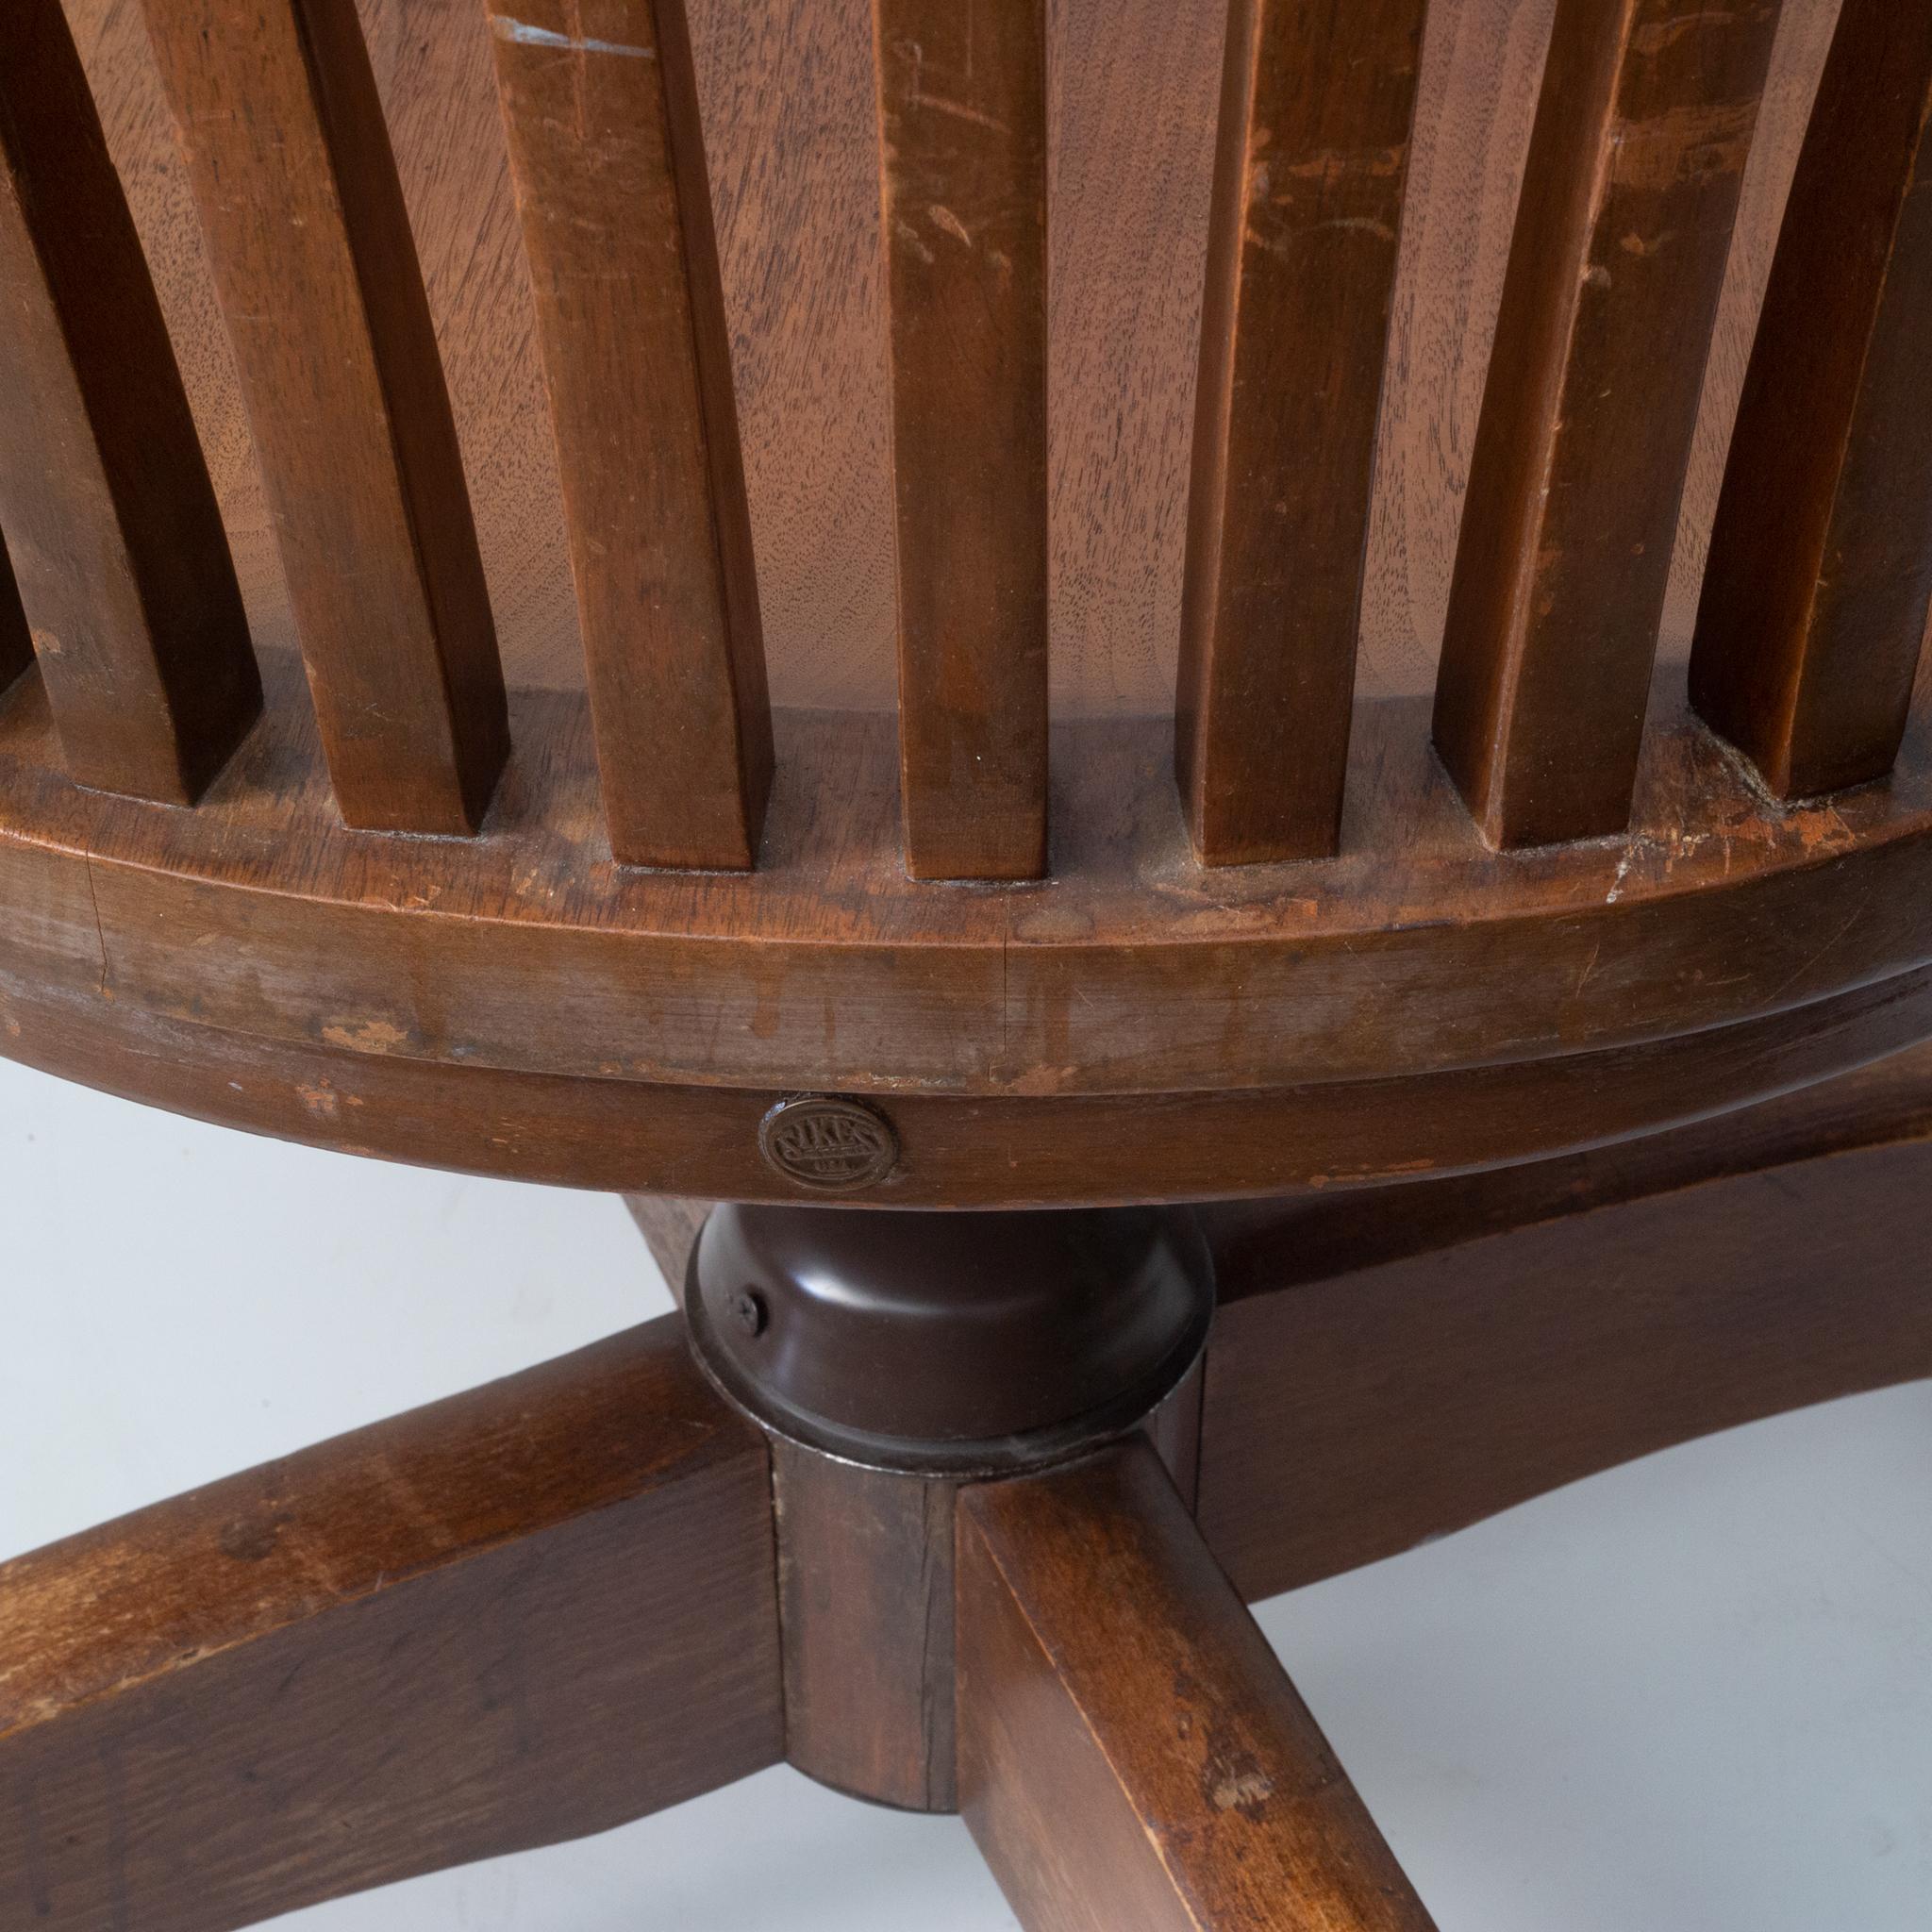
(1692, 1695)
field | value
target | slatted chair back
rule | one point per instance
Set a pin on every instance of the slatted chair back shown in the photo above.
(1821, 564)
(1138, 359)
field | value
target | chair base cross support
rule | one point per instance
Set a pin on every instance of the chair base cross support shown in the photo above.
(599, 1588)
(939, 1545)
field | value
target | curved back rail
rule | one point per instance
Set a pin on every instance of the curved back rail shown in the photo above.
(1296, 836)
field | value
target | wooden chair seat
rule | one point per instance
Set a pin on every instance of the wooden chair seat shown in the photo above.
(1256, 603)
(254, 963)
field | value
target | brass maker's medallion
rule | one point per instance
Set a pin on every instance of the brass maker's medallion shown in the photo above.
(830, 1145)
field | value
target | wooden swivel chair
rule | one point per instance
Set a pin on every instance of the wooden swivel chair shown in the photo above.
(1534, 1020)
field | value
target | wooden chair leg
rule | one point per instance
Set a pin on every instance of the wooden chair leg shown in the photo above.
(669, 1226)
(1130, 1752)
(552, 1606)
(1466, 1366)
(529, 1613)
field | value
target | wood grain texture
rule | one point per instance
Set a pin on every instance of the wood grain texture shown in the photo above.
(16, 640)
(309, 243)
(669, 1226)
(401, 986)
(893, 1357)
(865, 1598)
(1132, 972)
(531, 1612)
(619, 1135)
(1263, 1246)
(963, 141)
(601, 106)
(1316, 106)
(1819, 574)
(1415, 1000)
(111, 522)
(1630, 192)
(787, 92)
(1355, 1415)
(1130, 1752)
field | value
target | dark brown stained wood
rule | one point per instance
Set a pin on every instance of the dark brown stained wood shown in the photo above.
(1130, 1752)
(275, 939)
(787, 94)
(866, 1601)
(1317, 101)
(1133, 971)
(1641, 135)
(16, 641)
(670, 1227)
(616, 1134)
(791, 146)
(111, 522)
(962, 129)
(865, 1598)
(1132, 1027)
(893, 1357)
(1819, 574)
(531, 1612)
(1265, 1246)
(601, 106)
(312, 256)
(1352, 1417)
(88, 992)
(1174, 1430)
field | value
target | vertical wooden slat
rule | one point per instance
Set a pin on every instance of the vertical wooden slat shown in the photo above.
(669, 1224)
(1317, 101)
(317, 275)
(1131, 1754)
(1640, 140)
(117, 546)
(16, 642)
(963, 126)
(601, 104)
(1819, 575)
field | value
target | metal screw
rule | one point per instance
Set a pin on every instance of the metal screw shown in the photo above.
(748, 1310)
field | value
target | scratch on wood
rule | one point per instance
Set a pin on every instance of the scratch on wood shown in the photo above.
(957, 109)
(1246, 1792)
(1367, 224)
(1683, 145)
(1662, 34)
(910, 236)
(945, 218)
(1333, 164)
(524, 35)
(364, 1036)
